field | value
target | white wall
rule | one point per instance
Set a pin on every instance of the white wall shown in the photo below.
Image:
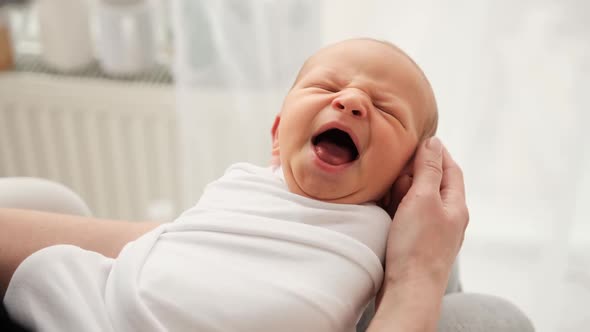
(510, 80)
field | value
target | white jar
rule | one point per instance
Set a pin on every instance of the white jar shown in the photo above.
(126, 41)
(64, 33)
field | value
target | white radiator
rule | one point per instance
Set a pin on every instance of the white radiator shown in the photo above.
(113, 142)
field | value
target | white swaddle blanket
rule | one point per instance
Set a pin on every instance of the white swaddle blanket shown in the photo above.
(250, 256)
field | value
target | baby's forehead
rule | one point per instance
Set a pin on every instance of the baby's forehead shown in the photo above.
(384, 59)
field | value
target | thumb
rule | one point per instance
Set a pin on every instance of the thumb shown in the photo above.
(428, 167)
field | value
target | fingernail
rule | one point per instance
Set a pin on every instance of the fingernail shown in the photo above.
(434, 144)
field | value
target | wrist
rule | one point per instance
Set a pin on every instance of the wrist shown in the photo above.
(408, 305)
(412, 275)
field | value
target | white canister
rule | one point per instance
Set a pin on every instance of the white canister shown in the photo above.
(64, 33)
(126, 41)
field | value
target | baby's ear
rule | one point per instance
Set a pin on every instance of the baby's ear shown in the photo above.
(274, 131)
(393, 197)
(408, 169)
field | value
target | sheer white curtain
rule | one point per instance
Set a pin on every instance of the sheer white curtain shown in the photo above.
(235, 61)
(511, 80)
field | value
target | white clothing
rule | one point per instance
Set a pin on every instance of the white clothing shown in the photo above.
(250, 256)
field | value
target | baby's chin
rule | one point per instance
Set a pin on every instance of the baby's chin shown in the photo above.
(330, 195)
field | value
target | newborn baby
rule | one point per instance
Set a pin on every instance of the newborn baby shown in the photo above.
(298, 246)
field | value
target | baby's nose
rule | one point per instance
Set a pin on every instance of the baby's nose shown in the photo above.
(352, 103)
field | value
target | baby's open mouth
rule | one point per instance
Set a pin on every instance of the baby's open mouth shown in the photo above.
(335, 147)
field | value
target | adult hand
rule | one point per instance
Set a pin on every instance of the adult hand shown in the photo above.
(424, 239)
(429, 225)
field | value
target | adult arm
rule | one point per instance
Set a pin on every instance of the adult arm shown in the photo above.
(425, 237)
(22, 232)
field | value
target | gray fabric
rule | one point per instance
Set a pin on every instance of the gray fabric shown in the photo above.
(453, 286)
(464, 312)
(366, 318)
(468, 312)
(40, 194)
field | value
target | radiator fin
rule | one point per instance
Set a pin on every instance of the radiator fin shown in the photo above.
(116, 149)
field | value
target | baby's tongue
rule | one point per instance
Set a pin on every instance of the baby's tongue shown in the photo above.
(333, 154)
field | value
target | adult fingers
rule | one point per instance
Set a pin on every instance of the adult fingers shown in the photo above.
(428, 170)
(452, 188)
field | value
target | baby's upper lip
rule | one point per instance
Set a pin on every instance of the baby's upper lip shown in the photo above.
(339, 126)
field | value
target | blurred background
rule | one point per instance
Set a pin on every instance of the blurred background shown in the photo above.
(137, 104)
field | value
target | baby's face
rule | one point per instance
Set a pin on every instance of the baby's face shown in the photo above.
(351, 122)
